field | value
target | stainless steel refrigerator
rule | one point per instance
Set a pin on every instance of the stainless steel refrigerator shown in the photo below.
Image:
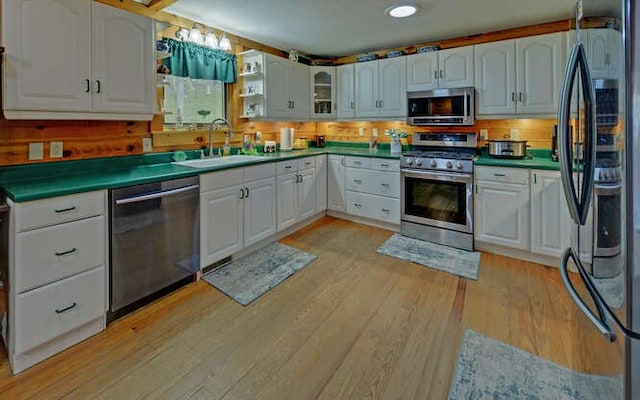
(599, 151)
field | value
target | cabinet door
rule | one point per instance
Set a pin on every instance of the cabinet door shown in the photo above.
(550, 221)
(259, 210)
(299, 91)
(323, 92)
(422, 71)
(367, 100)
(276, 87)
(47, 65)
(123, 61)
(336, 183)
(456, 67)
(306, 193)
(502, 214)
(616, 48)
(287, 200)
(540, 67)
(393, 87)
(597, 52)
(495, 77)
(321, 183)
(346, 91)
(221, 224)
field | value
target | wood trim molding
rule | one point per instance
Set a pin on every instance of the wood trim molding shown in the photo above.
(158, 5)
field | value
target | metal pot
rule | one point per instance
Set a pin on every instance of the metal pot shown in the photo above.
(508, 148)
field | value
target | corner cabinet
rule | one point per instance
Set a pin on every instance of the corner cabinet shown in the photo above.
(95, 62)
(323, 92)
(381, 88)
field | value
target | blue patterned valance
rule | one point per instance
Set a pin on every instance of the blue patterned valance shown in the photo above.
(200, 62)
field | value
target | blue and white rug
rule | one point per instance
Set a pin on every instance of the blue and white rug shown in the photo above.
(489, 369)
(444, 258)
(251, 276)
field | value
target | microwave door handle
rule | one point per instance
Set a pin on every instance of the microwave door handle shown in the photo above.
(564, 135)
(589, 136)
(465, 107)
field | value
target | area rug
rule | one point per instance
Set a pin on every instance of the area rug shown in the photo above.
(612, 290)
(251, 276)
(444, 258)
(489, 369)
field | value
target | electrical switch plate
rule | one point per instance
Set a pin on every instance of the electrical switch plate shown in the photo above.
(361, 131)
(36, 151)
(514, 134)
(374, 132)
(147, 145)
(484, 134)
(55, 149)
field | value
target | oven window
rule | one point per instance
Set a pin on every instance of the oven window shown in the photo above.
(436, 200)
(451, 106)
(608, 229)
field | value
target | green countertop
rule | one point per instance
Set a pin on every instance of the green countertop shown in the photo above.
(537, 159)
(39, 181)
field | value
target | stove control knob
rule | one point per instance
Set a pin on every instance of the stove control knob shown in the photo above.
(434, 163)
(449, 164)
(418, 162)
(459, 165)
(409, 160)
(607, 175)
(601, 175)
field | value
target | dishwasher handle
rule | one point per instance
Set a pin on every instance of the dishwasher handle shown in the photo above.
(156, 195)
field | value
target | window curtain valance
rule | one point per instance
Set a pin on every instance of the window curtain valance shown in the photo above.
(199, 62)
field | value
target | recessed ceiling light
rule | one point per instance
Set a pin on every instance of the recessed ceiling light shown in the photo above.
(402, 10)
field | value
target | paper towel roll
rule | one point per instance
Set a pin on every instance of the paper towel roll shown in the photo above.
(286, 139)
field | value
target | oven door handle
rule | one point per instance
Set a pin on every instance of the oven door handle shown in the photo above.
(437, 176)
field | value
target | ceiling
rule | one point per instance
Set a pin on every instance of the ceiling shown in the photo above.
(336, 28)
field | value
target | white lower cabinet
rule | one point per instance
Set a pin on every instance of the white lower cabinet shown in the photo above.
(502, 206)
(238, 208)
(336, 181)
(296, 185)
(550, 221)
(57, 274)
(321, 182)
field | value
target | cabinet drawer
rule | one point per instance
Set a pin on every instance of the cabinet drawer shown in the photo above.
(510, 175)
(286, 167)
(374, 207)
(56, 210)
(262, 171)
(358, 204)
(382, 164)
(52, 310)
(374, 182)
(221, 179)
(358, 162)
(49, 254)
(306, 163)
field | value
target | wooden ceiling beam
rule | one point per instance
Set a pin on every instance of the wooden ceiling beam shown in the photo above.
(158, 5)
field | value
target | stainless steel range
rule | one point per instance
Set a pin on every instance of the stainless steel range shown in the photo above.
(437, 188)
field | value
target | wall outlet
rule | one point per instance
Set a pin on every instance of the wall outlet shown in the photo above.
(484, 134)
(36, 151)
(55, 149)
(374, 132)
(513, 134)
(147, 144)
(361, 131)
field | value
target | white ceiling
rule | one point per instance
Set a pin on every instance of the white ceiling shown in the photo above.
(346, 27)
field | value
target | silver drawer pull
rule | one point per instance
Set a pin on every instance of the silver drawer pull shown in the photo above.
(357, 181)
(385, 185)
(61, 210)
(64, 253)
(307, 162)
(357, 205)
(385, 210)
(61, 310)
(287, 167)
(384, 165)
(357, 163)
(499, 175)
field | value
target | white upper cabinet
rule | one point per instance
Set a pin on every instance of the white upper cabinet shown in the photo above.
(95, 62)
(346, 91)
(603, 52)
(451, 68)
(323, 92)
(381, 88)
(286, 89)
(520, 76)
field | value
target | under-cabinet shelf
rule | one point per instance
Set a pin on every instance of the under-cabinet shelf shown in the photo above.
(250, 94)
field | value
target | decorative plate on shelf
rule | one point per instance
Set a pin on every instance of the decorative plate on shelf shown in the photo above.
(366, 57)
(396, 53)
(427, 49)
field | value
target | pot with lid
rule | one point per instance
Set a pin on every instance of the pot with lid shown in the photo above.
(508, 148)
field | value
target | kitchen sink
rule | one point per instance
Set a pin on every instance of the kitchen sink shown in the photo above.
(212, 162)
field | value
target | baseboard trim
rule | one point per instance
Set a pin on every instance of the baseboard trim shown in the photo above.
(363, 220)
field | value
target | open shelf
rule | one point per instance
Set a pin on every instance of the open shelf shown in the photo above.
(250, 94)
(256, 74)
(162, 54)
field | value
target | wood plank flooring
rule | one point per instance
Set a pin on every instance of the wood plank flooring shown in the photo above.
(352, 324)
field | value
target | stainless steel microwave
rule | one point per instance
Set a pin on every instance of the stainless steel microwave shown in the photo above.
(441, 107)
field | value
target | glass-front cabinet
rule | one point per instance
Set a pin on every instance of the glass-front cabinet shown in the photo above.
(323, 92)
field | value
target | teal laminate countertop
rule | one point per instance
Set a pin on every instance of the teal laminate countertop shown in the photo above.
(44, 180)
(538, 159)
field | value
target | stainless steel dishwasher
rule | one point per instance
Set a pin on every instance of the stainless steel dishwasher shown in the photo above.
(154, 241)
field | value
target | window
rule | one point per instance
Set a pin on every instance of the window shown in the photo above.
(192, 102)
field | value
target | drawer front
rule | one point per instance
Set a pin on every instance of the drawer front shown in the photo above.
(359, 204)
(47, 312)
(358, 162)
(262, 171)
(49, 254)
(358, 179)
(496, 174)
(382, 164)
(221, 179)
(57, 210)
(386, 209)
(306, 163)
(286, 167)
(374, 182)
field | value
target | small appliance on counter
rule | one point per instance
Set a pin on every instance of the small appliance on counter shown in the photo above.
(286, 139)
(318, 141)
(301, 144)
(269, 146)
(508, 148)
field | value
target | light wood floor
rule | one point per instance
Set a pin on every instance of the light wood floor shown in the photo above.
(353, 324)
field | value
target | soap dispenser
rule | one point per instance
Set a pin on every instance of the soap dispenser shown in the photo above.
(226, 149)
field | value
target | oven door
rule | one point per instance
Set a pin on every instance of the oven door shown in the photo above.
(439, 199)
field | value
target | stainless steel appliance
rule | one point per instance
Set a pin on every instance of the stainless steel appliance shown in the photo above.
(601, 188)
(508, 148)
(441, 107)
(154, 241)
(437, 188)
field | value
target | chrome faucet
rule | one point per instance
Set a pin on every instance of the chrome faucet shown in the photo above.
(217, 124)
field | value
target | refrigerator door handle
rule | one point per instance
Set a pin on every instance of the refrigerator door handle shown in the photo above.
(599, 321)
(578, 208)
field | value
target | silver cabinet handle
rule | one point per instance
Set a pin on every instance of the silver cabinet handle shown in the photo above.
(156, 195)
(358, 205)
(381, 103)
(578, 208)
(384, 165)
(307, 163)
(342, 161)
(385, 210)
(441, 74)
(246, 194)
(386, 185)
(63, 210)
(357, 163)
(61, 310)
(353, 105)
(88, 88)
(513, 96)
(293, 104)
(520, 97)
(241, 193)
(499, 175)
(357, 181)
(435, 74)
(287, 167)
(98, 86)
(66, 252)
